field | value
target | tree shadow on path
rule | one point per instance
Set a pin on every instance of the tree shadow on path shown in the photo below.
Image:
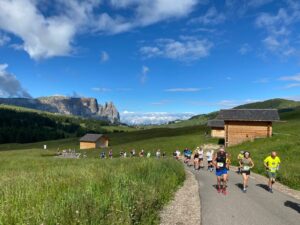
(292, 205)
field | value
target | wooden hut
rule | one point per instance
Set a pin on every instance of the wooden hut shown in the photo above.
(217, 128)
(247, 124)
(90, 141)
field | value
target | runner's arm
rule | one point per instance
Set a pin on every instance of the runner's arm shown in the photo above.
(215, 161)
(252, 164)
(266, 164)
(240, 163)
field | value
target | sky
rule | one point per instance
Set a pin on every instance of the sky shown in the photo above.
(155, 59)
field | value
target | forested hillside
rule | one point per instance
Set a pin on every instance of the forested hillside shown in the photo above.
(20, 125)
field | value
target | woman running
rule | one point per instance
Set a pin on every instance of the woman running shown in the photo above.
(196, 161)
(246, 164)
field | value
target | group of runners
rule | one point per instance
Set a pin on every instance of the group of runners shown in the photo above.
(123, 154)
(221, 160)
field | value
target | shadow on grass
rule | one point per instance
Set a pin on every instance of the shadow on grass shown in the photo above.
(292, 205)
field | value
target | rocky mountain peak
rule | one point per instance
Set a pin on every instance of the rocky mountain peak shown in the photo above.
(84, 107)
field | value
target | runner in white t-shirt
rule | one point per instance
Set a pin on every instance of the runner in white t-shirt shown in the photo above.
(209, 156)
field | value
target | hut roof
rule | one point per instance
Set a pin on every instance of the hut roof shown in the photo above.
(91, 137)
(216, 123)
(264, 115)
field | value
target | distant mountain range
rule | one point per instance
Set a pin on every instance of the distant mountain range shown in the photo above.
(84, 107)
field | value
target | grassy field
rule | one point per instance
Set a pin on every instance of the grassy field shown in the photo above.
(37, 188)
(45, 190)
(286, 141)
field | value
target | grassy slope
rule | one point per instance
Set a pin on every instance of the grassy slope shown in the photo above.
(286, 141)
(117, 191)
(271, 104)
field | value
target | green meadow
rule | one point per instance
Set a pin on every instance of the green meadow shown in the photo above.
(38, 188)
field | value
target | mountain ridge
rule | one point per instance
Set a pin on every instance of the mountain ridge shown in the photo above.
(83, 107)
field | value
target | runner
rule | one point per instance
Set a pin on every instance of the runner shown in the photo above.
(142, 153)
(102, 155)
(246, 164)
(201, 156)
(196, 161)
(110, 153)
(189, 157)
(132, 153)
(158, 153)
(272, 164)
(209, 156)
(219, 161)
(176, 154)
(239, 158)
(185, 154)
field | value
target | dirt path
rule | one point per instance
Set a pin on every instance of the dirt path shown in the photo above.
(185, 207)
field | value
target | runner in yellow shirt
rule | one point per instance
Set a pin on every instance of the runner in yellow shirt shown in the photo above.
(272, 164)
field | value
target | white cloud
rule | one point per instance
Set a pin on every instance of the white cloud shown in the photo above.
(4, 39)
(292, 85)
(295, 77)
(279, 29)
(211, 17)
(245, 49)
(139, 118)
(43, 37)
(185, 49)
(162, 102)
(9, 85)
(48, 33)
(97, 89)
(144, 74)
(151, 11)
(183, 90)
(104, 56)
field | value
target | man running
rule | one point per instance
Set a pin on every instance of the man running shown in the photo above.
(209, 156)
(239, 158)
(246, 164)
(220, 162)
(272, 164)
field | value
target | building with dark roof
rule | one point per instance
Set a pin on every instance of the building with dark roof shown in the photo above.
(242, 125)
(217, 128)
(92, 141)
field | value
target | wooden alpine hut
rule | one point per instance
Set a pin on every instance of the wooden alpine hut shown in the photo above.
(90, 141)
(242, 125)
(217, 128)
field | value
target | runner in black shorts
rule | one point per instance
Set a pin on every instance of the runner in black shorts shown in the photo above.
(246, 164)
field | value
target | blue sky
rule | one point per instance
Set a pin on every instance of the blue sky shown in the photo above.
(151, 55)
